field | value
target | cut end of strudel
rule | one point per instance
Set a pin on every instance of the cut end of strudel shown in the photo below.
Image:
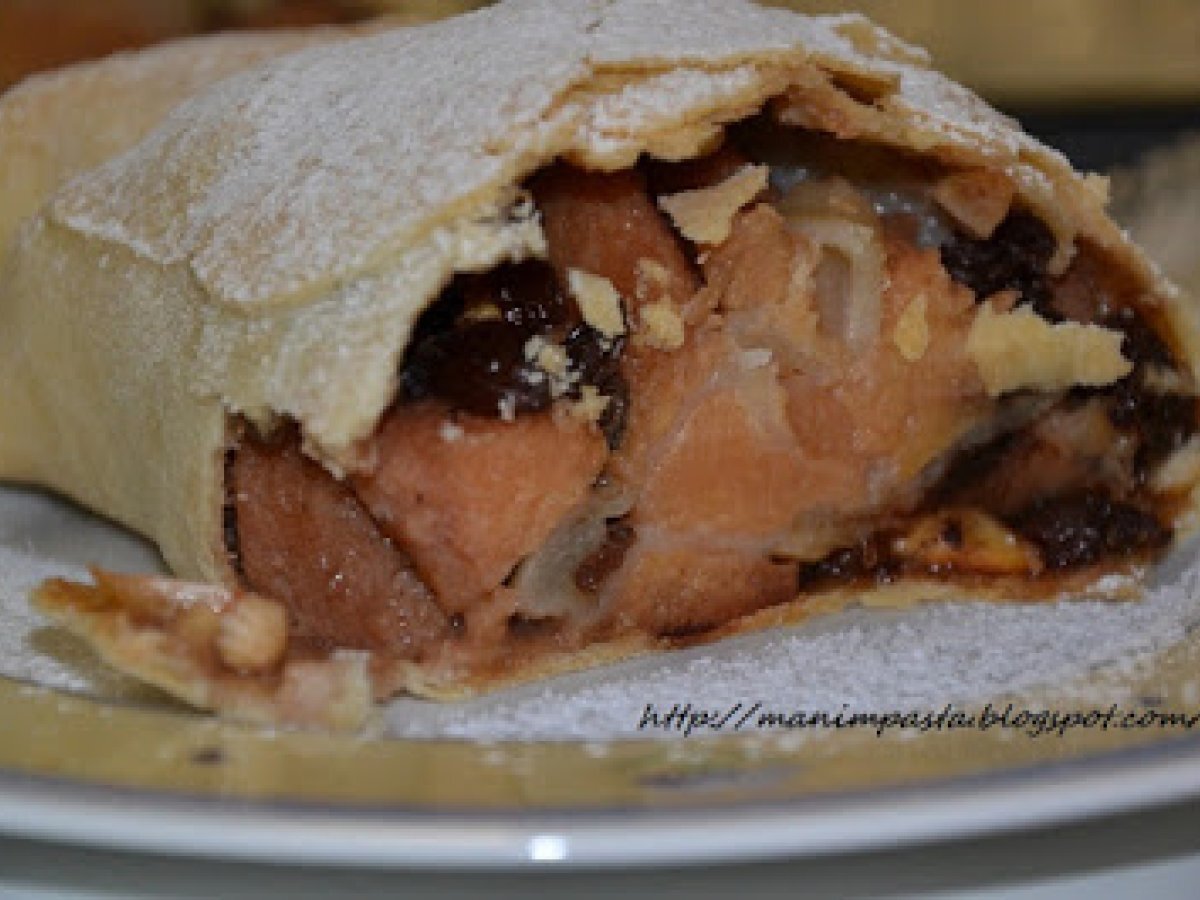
(441, 358)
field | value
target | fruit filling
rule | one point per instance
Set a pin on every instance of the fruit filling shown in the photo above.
(793, 365)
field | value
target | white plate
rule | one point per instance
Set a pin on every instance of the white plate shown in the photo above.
(87, 757)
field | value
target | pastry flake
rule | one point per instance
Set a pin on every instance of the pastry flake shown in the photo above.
(212, 648)
(705, 215)
(1019, 350)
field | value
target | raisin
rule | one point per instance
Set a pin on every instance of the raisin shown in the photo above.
(968, 469)
(1162, 422)
(478, 367)
(1081, 528)
(598, 362)
(1141, 345)
(1014, 258)
(867, 560)
(469, 347)
(527, 295)
(616, 414)
(1166, 423)
(523, 628)
(952, 534)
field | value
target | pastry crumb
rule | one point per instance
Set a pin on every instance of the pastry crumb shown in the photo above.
(253, 635)
(591, 404)
(705, 216)
(1021, 350)
(911, 334)
(662, 327)
(552, 362)
(1099, 186)
(599, 302)
(651, 276)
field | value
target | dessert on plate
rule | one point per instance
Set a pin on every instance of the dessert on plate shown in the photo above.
(443, 357)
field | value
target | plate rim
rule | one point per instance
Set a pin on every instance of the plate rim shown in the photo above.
(177, 824)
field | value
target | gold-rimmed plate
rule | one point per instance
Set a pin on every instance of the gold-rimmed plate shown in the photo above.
(86, 757)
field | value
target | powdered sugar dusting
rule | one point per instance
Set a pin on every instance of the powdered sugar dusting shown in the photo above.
(864, 659)
(322, 164)
(297, 172)
(613, 119)
(21, 623)
(870, 660)
(42, 537)
(307, 210)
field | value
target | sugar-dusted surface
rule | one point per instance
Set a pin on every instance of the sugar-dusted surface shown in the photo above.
(870, 661)
(314, 166)
(866, 660)
(42, 537)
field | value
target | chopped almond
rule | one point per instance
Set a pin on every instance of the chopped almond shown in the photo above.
(550, 358)
(978, 199)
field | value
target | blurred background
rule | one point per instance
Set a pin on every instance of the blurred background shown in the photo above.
(1064, 66)
(1106, 81)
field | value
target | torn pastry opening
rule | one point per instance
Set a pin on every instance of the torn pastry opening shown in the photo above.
(796, 364)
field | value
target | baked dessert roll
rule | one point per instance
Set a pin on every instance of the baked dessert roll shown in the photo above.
(439, 358)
